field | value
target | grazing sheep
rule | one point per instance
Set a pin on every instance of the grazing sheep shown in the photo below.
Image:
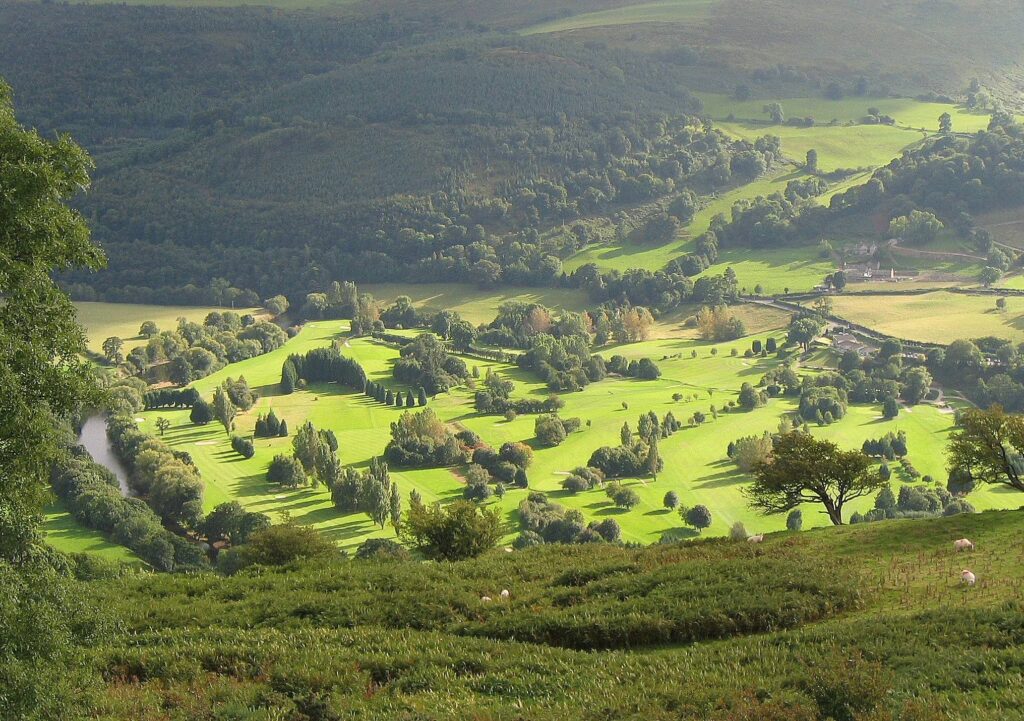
(505, 594)
(967, 577)
(485, 599)
(756, 539)
(963, 545)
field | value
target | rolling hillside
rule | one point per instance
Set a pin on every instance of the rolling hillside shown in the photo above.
(855, 623)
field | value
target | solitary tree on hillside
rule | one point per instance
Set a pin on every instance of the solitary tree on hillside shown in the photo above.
(671, 501)
(806, 470)
(162, 424)
(989, 276)
(811, 166)
(148, 329)
(775, 112)
(112, 349)
(945, 123)
(698, 517)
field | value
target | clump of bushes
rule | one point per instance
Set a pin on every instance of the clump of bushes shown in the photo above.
(421, 440)
(921, 501)
(551, 430)
(583, 478)
(243, 446)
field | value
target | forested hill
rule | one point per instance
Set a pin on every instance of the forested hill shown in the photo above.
(408, 141)
(261, 136)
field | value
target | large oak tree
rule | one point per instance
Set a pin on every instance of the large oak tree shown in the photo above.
(803, 469)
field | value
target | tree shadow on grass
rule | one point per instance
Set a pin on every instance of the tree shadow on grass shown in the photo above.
(611, 511)
(679, 534)
(723, 479)
(660, 512)
(185, 434)
(346, 530)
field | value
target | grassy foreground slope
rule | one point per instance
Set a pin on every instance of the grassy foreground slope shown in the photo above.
(865, 622)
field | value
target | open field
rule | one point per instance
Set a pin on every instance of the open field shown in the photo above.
(696, 466)
(661, 11)
(938, 317)
(64, 533)
(908, 113)
(858, 146)
(475, 305)
(102, 320)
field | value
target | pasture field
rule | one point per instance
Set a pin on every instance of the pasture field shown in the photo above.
(861, 147)
(64, 533)
(908, 113)
(661, 11)
(696, 465)
(102, 320)
(858, 146)
(938, 317)
(1006, 226)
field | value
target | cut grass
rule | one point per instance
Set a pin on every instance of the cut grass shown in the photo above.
(64, 533)
(695, 463)
(938, 317)
(102, 320)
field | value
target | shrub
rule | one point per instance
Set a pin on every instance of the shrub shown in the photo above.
(381, 549)
(795, 520)
(284, 543)
(457, 531)
(738, 532)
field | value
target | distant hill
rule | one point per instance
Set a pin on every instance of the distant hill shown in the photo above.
(364, 138)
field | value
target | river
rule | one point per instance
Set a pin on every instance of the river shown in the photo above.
(94, 438)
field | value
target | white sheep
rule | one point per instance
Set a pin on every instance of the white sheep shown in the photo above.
(505, 594)
(967, 577)
(485, 599)
(755, 539)
(963, 544)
